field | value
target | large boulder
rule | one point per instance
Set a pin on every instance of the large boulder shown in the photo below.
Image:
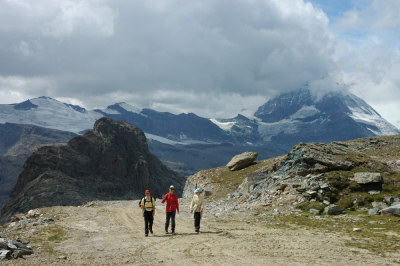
(110, 162)
(363, 178)
(242, 160)
(392, 210)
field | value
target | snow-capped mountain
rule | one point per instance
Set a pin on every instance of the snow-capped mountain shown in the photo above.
(189, 143)
(287, 119)
(49, 113)
(299, 117)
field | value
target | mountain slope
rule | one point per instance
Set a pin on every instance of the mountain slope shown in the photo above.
(110, 162)
(299, 117)
(17, 142)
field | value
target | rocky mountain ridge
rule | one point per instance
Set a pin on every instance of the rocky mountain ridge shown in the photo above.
(110, 162)
(353, 175)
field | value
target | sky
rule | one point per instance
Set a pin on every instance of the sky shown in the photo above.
(215, 58)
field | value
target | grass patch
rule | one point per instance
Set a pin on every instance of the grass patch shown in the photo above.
(379, 234)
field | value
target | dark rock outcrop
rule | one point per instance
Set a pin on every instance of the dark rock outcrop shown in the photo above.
(110, 162)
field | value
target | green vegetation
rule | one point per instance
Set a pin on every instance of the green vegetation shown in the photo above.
(377, 234)
(306, 206)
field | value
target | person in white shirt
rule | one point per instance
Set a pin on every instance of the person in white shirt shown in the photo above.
(197, 207)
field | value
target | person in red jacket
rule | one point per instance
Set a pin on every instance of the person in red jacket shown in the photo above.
(172, 207)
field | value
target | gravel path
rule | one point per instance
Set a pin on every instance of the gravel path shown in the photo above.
(112, 233)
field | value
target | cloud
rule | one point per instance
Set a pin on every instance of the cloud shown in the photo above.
(369, 57)
(93, 49)
(212, 57)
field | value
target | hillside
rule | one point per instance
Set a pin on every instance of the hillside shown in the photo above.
(312, 175)
(267, 213)
(110, 162)
(17, 142)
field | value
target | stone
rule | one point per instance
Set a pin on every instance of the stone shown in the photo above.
(363, 178)
(325, 202)
(3, 243)
(276, 212)
(311, 193)
(392, 210)
(357, 229)
(334, 210)
(389, 199)
(314, 211)
(373, 211)
(374, 192)
(242, 160)
(19, 253)
(5, 254)
(379, 205)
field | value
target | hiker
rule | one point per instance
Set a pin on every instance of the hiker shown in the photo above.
(148, 205)
(197, 207)
(171, 208)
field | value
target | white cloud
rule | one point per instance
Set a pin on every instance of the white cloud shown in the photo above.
(210, 57)
(369, 56)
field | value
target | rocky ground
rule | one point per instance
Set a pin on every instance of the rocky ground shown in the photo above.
(111, 232)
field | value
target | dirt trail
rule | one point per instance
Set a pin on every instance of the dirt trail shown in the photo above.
(112, 233)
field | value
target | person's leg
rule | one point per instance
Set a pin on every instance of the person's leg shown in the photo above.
(151, 219)
(146, 223)
(197, 216)
(168, 216)
(173, 221)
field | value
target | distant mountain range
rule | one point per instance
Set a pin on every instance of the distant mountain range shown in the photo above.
(187, 142)
(290, 117)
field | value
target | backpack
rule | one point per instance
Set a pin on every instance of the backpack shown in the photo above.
(144, 201)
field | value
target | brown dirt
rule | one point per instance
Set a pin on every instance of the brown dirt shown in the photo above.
(112, 233)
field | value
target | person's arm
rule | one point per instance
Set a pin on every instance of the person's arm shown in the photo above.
(201, 203)
(154, 207)
(191, 205)
(164, 197)
(142, 206)
(177, 204)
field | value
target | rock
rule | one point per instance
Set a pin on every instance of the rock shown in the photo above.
(32, 214)
(389, 199)
(314, 211)
(5, 254)
(392, 210)
(19, 253)
(334, 210)
(14, 249)
(242, 160)
(3, 243)
(110, 162)
(379, 205)
(276, 212)
(363, 178)
(357, 229)
(325, 202)
(374, 192)
(373, 211)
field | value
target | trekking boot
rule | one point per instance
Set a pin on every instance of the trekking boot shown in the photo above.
(146, 235)
(173, 233)
(151, 231)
